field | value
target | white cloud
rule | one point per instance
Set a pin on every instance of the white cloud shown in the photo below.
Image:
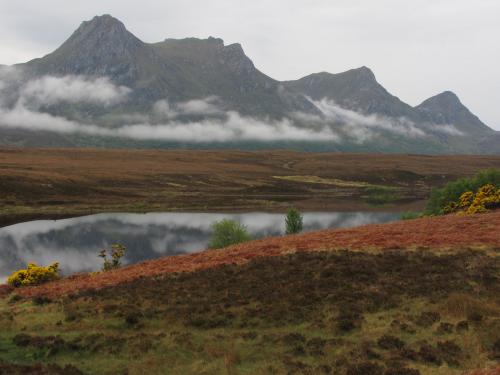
(163, 110)
(23, 118)
(362, 128)
(50, 90)
(447, 129)
(233, 127)
(208, 106)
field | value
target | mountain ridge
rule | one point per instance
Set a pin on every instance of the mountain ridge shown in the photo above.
(183, 70)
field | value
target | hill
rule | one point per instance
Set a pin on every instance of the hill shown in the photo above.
(382, 299)
(105, 87)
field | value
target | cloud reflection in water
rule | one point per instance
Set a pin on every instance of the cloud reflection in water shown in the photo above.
(74, 243)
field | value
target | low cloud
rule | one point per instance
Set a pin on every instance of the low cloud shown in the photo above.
(360, 127)
(21, 117)
(208, 106)
(50, 90)
(231, 129)
(195, 121)
(447, 129)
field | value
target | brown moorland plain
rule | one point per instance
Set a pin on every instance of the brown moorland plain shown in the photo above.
(65, 182)
(439, 235)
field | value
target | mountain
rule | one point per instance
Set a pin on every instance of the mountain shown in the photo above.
(452, 126)
(356, 89)
(194, 81)
(446, 108)
(178, 69)
(102, 46)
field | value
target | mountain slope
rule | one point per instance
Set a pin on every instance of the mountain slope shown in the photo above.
(449, 123)
(446, 108)
(356, 89)
(225, 71)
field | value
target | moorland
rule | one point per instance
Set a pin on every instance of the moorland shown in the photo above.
(52, 183)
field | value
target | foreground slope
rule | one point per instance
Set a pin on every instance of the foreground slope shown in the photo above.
(408, 298)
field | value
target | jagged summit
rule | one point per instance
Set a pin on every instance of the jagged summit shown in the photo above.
(104, 21)
(363, 73)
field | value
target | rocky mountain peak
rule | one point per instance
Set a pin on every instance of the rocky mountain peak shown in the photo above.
(236, 60)
(103, 32)
(99, 47)
(104, 21)
(446, 108)
(446, 102)
(362, 73)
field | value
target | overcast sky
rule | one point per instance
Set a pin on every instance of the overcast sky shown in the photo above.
(416, 49)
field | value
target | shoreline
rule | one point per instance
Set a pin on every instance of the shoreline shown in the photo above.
(8, 219)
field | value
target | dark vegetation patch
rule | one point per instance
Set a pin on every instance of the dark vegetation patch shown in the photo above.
(390, 342)
(337, 287)
(37, 369)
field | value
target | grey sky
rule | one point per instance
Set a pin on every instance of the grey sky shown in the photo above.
(416, 49)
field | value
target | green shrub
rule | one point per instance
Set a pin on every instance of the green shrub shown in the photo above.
(227, 232)
(410, 215)
(117, 252)
(34, 275)
(379, 195)
(450, 194)
(293, 221)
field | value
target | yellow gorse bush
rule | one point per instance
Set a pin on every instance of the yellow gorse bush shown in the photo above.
(486, 198)
(34, 275)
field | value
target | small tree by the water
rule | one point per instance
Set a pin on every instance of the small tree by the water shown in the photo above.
(227, 232)
(293, 221)
(117, 252)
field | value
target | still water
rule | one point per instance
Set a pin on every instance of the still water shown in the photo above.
(75, 243)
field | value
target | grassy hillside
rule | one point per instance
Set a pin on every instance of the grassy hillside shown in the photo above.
(383, 299)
